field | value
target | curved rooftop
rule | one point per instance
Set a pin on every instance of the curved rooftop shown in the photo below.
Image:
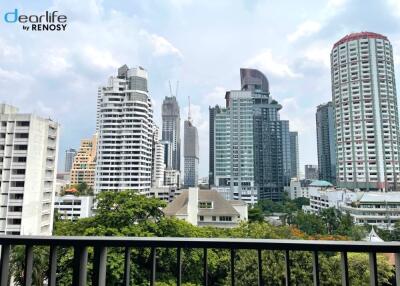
(320, 183)
(360, 35)
(252, 79)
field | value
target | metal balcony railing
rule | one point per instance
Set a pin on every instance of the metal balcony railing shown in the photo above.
(100, 245)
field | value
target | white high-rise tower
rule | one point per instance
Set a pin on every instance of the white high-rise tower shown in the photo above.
(28, 162)
(366, 115)
(125, 133)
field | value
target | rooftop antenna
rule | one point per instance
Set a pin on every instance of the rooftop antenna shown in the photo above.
(177, 87)
(189, 117)
(170, 88)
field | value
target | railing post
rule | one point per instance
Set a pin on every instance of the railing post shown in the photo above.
(397, 267)
(315, 268)
(373, 272)
(205, 267)
(100, 266)
(5, 264)
(232, 267)
(52, 265)
(179, 267)
(345, 269)
(80, 266)
(28, 265)
(153, 266)
(260, 277)
(287, 267)
(127, 267)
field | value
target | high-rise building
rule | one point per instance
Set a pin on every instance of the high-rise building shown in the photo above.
(294, 154)
(272, 157)
(212, 112)
(311, 172)
(158, 165)
(125, 133)
(251, 145)
(28, 162)
(69, 159)
(325, 122)
(366, 115)
(84, 166)
(171, 130)
(191, 153)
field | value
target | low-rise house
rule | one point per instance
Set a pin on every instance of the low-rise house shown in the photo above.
(207, 208)
(74, 207)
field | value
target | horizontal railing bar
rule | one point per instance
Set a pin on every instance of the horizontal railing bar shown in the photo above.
(221, 243)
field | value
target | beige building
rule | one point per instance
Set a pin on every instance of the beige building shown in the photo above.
(207, 208)
(84, 166)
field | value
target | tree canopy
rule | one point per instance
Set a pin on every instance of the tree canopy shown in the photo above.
(129, 214)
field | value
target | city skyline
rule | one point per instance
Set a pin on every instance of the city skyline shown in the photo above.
(60, 83)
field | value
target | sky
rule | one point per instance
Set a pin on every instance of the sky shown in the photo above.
(201, 44)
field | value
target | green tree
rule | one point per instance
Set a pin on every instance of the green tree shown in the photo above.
(256, 214)
(131, 214)
(40, 264)
(311, 224)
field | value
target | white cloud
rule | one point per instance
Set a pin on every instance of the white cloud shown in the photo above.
(102, 59)
(180, 3)
(305, 29)
(319, 53)
(79, 10)
(300, 119)
(266, 62)
(336, 4)
(161, 46)
(216, 96)
(395, 4)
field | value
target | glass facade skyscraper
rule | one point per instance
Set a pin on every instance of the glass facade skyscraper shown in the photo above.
(294, 153)
(325, 123)
(171, 130)
(250, 144)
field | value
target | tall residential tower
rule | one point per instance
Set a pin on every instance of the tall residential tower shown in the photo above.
(28, 164)
(84, 166)
(294, 154)
(69, 159)
(190, 153)
(125, 133)
(325, 123)
(171, 130)
(366, 114)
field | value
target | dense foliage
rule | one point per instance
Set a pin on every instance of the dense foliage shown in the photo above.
(328, 222)
(129, 214)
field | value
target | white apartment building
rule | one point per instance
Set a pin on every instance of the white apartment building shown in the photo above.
(28, 162)
(297, 190)
(328, 198)
(172, 178)
(374, 208)
(125, 133)
(366, 114)
(158, 165)
(165, 193)
(207, 208)
(74, 207)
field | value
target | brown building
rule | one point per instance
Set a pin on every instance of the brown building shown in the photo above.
(84, 165)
